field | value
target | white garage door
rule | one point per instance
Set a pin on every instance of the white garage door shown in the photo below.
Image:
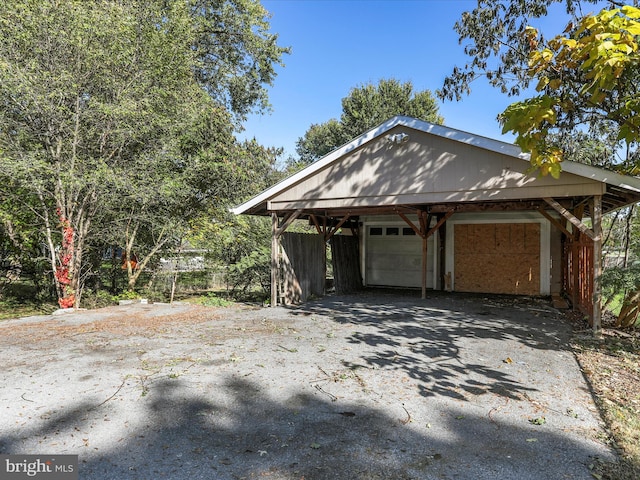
(393, 257)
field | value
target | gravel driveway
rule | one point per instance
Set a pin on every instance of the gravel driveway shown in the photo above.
(372, 386)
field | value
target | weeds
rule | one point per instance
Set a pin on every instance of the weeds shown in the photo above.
(212, 300)
(612, 366)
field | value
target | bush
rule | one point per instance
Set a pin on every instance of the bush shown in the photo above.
(253, 270)
(98, 299)
(620, 282)
(212, 300)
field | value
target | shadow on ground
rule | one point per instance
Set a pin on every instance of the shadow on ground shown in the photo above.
(211, 423)
(425, 338)
(250, 436)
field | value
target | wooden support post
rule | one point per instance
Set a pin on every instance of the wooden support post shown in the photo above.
(596, 214)
(424, 232)
(575, 270)
(274, 259)
(277, 229)
(424, 267)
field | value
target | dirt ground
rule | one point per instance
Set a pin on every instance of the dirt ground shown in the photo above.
(372, 386)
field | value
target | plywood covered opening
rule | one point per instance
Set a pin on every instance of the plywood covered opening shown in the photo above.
(497, 258)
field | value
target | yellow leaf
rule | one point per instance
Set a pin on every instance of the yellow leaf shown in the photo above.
(555, 169)
(631, 12)
(544, 169)
(544, 81)
(633, 28)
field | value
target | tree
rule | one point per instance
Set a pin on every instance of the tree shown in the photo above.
(93, 100)
(241, 243)
(588, 80)
(365, 107)
(318, 140)
(494, 40)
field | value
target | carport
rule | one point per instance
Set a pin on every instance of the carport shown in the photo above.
(410, 203)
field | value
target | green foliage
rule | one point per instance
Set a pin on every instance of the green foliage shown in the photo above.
(365, 107)
(252, 269)
(620, 279)
(588, 76)
(236, 54)
(213, 300)
(369, 105)
(318, 140)
(497, 49)
(121, 115)
(98, 299)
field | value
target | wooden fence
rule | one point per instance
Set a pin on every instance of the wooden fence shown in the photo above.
(578, 273)
(302, 267)
(346, 264)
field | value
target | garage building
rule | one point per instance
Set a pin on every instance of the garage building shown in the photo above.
(414, 204)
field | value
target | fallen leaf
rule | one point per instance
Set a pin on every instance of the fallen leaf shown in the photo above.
(538, 421)
(315, 446)
(508, 360)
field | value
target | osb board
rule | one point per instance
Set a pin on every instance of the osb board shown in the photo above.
(497, 258)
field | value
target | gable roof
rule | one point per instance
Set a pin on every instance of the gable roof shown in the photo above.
(619, 190)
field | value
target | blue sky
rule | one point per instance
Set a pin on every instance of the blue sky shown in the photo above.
(340, 44)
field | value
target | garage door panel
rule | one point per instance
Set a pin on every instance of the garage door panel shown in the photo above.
(396, 260)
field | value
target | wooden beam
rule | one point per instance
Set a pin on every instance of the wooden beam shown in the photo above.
(596, 214)
(314, 219)
(439, 224)
(490, 206)
(555, 222)
(422, 218)
(288, 220)
(332, 231)
(411, 224)
(356, 211)
(274, 259)
(575, 271)
(424, 266)
(572, 218)
(425, 220)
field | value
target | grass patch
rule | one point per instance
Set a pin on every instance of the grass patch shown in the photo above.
(10, 309)
(612, 366)
(212, 300)
(615, 305)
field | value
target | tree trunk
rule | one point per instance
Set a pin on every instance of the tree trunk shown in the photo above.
(627, 236)
(630, 310)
